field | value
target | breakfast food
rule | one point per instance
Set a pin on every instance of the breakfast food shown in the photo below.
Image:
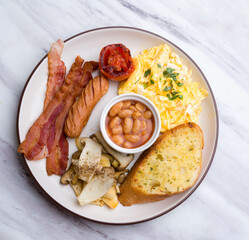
(170, 166)
(81, 110)
(119, 160)
(130, 124)
(115, 62)
(95, 172)
(46, 138)
(56, 71)
(161, 76)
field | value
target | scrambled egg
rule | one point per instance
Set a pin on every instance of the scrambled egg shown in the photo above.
(161, 76)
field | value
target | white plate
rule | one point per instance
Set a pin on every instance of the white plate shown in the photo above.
(88, 45)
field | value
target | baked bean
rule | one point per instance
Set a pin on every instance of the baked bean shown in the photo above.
(127, 145)
(132, 138)
(117, 129)
(144, 124)
(136, 114)
(125, 113)
(143, 132)
(136, 126)
(115, 121)
(149, 125)
(126, 104)
(133, 108)
(118, 139)
(128, 122)
(147, 114)
(140, 107)
(115, 109)
(145, 136)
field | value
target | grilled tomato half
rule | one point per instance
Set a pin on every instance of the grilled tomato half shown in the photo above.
(115, 62)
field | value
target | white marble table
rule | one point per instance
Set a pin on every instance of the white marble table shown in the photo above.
(214, 33)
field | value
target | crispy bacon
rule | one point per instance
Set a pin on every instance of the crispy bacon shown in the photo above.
(57, 144)
(56, 71)
(46, 137)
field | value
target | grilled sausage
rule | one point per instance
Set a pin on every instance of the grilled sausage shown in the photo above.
(81, 110)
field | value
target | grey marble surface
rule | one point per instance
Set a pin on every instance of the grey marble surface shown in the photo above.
(214, 33)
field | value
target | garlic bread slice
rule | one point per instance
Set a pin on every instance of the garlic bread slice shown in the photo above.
(171, 165)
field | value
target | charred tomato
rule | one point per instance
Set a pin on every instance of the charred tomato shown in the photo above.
(115, 62)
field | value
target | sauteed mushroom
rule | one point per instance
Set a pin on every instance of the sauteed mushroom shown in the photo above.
(123, 159)
(98, 186)
(89, 160)
(68, 176)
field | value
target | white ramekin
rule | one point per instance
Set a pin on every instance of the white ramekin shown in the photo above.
(146, 102)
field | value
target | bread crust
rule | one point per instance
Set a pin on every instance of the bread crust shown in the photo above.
(81, 110)
(129, 193)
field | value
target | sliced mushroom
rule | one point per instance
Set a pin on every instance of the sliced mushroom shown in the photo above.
(98, 202)
(117, 189)
(121, 178)
(118, 173)
(123, 159)
(98, 186)
(75, 179)
(115, 163)
(94, 138)
(75, 162)
(76, 155)
(68, 176)
(80, 145)
(89, 161)
(106, 160)
(78, 187)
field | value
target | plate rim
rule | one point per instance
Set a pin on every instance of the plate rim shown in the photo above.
(192, 190)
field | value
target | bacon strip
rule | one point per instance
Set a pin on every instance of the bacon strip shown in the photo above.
(58, 157)
(56, 71)
(46, 137)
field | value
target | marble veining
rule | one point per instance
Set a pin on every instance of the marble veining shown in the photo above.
(214, 33)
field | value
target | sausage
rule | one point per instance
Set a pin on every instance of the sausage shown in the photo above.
(81, 110)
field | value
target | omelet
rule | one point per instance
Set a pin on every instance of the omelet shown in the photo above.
(161, 76)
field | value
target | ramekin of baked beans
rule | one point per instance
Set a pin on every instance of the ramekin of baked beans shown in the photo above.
(130, 123)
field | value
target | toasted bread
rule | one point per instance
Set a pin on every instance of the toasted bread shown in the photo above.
(171, 165)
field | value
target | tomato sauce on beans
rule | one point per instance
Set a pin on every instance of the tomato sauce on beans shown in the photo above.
(130, 124)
